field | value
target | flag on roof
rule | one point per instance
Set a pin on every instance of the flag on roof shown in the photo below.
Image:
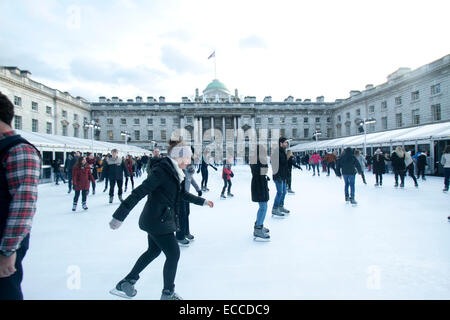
(212, 55)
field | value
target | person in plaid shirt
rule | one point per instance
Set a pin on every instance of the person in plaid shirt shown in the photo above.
(20, 165)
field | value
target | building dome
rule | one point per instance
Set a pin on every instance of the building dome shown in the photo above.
(216, 85)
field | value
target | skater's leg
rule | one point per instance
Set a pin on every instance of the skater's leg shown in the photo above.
(224, 185)
(261, 215)
(446, 177)
(132, 182)
(182, 216)
(206, 180)
(77, 195)
(229, 186)
(278, 185)
(188, 211)
(119, 186)
(145, 259)
(169, 246)
(352, 186)
(284, 190)
(93, 186)
(126, 183)
(112, 184)
(347, 185)
(84, 194)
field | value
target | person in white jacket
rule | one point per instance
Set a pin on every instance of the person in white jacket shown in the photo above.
(445, 162)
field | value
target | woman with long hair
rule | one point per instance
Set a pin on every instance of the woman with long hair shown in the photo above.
(81, 176)
(159, 218)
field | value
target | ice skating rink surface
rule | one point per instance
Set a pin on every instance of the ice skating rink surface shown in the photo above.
(393, 245)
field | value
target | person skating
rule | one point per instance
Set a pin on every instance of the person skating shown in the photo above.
(154, 159)
(81, 177)
(346, 167)
(203, 168)
(280, 172)
(260, 193)
(116, 169)
(90, 159)
(56, 165)
(379, 167)
(227, 174)
(409, 164)
(398, 166)
(184, 235)
(68, 166)
(129, 162)
(159, 218)
(291, 163)
(330, 158)
(445, 162)
(362, 162)
(421, 158)
(315, 160)
(20, 168)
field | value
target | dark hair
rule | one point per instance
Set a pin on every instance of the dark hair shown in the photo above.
(6, 109)
(79, 160)
(173, 142)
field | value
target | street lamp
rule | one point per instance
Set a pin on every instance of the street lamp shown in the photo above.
(363, 124)
(316, 135)
(94, 126)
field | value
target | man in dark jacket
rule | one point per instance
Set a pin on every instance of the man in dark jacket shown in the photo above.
(68, 166)
(116, 169)
(280, 176)
(421, 163)
(347, 166)
(154, 159)
(56, 165)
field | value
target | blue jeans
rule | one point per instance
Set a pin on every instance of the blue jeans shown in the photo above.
(349, 180)
(281, 193)
(446, 176)
(261, 215)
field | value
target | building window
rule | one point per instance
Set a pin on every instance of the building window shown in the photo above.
(136, 121)
(371, 109)
(339, 118)
(329, 120)
(270, 120)
(75, 132)
(329, 132)
(294, 133)
(347, 115)
(109, 121)
(64, 114)
(282, 120)
(49, 128)
(415, 116)
(163, 122)
(17, 101)
(34, 106)
(306, 132)
(294, 120)
(137, 135)
(398, 120)
(149, 121)
(384, 123)
(34, 125)
(383, 104)
(317, 120)
(18, 122)
(436, 112)
(435, 89)
(110, 135)
(347, 130)
(85, 133)
(123, 121)
(339, 131)
(305, 120)
(398, 101)
(75, 117)
(163, 135)
(258, 120)
(371, 127)
(49, 110)
(189, 120)
(150, 134)
(64, 130)
(415, 95)
(358, 112)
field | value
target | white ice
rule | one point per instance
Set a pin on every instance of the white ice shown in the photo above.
(393, 245)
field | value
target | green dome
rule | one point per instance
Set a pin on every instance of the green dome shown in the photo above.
(216, 84)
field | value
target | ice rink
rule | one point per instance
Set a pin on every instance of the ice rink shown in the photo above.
(394, 245)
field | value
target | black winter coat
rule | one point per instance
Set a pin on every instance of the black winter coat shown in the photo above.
(116, 169)
(259, 187)
(379, 164)
(421, 161)
(164, 191)
(282, 173)
(348, 164)
(398, 164)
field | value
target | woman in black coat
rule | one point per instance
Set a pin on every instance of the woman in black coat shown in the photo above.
(398, 165)
(260, 192)
(379, 167)
(159, 218)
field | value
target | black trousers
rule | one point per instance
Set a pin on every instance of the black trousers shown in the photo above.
(410, 170)
(10, 288)
(421, 172)
(331, 165)
(84, 194)
(183, 216)
(225, 184)
(132, 182)
(380, 176)
(157, 243)
(289, 179)
(204, 178)
(112, 183)
(400, 173)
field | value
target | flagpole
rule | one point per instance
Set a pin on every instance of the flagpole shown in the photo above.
(215, 70)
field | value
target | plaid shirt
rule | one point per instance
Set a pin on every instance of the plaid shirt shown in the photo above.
(22, 165)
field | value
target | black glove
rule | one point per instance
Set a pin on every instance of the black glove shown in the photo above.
(200, 193)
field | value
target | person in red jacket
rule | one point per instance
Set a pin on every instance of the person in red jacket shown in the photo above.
(227, 174)
(315, 160)
(81, 176)
(129, 162)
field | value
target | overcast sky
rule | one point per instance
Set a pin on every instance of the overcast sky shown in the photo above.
(279, 48)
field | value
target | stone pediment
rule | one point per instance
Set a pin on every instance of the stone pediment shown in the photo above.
(64, 122)
(76, 125)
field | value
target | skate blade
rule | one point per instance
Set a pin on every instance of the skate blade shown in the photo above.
(118, 293)
(257, 239)
(278, 217)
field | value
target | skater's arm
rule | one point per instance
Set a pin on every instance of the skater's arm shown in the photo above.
(147, 187)
(358, 166)
(194, 184)
(193, 199)
(212, 166)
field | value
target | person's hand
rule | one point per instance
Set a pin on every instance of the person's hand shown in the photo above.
(210, 203)
(115, 224)
(200, 193)
(7, 265)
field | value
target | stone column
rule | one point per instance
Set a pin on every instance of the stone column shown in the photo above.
(212, 128)
(182, 127)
